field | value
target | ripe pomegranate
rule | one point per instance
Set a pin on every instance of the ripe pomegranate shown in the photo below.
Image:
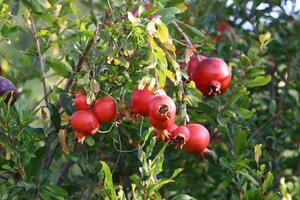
(212, 76)
(5, 86)
(180, 136)
(162, 108)
(80, 102)
(222, 27)
(105, 109)
(80, 136)
(84, 121)
(140, 100)
(199, 139)
(162, 124)
(193, 63)
(172, 128)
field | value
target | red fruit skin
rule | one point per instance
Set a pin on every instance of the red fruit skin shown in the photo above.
(222, 27)
(162, 107)
(193, 63)
(84, 121)
(212, 72)
(80, 102)
(140, 100)
(162, 124)
(105, 109)
(183, 132)
(199, 139)
(172, 128)
(78, 135)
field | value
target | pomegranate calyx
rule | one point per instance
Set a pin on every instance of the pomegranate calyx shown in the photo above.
(214, 88)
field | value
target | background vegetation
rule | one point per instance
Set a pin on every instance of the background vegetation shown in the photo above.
(254, 126)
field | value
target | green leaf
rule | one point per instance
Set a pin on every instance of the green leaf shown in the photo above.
(267, 182)
(258, 81)
(244, 113)
(58, 67)
(183, 197)
(108, 180)
(240, 142)
(35, 5)
(55, 116)
(90, 141)
(222, 121)
(176, 172)
(157, 165)
(57, 190)
(152, 188)
(168, 14)
(249, 177)
(137, 180)
(245, 61)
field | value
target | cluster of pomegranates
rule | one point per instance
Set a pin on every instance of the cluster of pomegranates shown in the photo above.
(161, 110)
(88, 117)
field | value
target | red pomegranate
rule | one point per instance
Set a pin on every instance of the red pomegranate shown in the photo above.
(193, 63)
(162, 124)
(223, 27)
(84, 121)
(80, 102)
(199, 139)
(172, 128)
(180, 136)
(79, 136)
(140, 100)
(212, 76)
(105, 109)
(162, 108)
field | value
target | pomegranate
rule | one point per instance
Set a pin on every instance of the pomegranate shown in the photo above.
(222, 27)
(80, 102)
(162, 124)
(140, 100)
(180, 136)
(162, 108)
(193, 63)
(6, 86)
(79, 136)
(172, 128)
(212, 76)
(84, 121)
(105, 109)
(198, 140)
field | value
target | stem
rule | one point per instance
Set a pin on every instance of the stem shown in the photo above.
(180, 30)
(41, 59)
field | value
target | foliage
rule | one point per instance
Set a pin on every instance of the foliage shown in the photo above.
(102, 48)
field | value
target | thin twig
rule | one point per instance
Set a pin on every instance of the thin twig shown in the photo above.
(180, 30)
(41, 59)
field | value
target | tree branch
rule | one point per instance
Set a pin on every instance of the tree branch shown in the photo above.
(180, 30)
